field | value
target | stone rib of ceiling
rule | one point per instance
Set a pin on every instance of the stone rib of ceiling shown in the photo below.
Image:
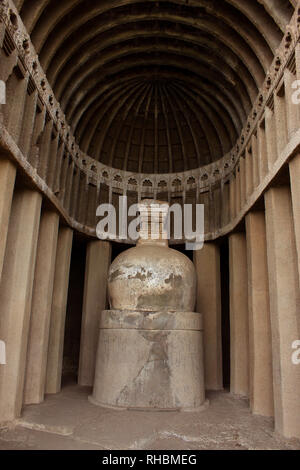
(156, 86)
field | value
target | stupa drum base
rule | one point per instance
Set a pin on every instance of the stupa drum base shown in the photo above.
(150, 361)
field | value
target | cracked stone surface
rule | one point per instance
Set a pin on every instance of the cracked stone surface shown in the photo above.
(166, 370)
(69, 421)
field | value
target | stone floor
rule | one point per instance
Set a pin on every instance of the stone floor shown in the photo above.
(69, 421)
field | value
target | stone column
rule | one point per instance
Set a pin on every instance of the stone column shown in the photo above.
(94, 301)
(15, 297)
(58, 310)
(255, 158)
(225, 204)
(271, 137)
(232, 186)
(249, 174)
(281, 119)
(292, 108)
(284, 308)
(44, 149)
(239, 324)
(207, 264)
(39, 122)
(260, 339)
(16, 92)
(242, 182)
(7, 183)
(28, 123)
(41, 309)
(262, 151)
(295, 190)
(238, 200)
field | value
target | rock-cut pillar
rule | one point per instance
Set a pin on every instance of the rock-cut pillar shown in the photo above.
(15, 297)
(260, 338)
(58, 310)
(284, 308)
(7, 183)
(239, 322)
(207, 264)
(95, 292)
(41, 309)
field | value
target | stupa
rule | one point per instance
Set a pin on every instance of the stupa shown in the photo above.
(150, 351)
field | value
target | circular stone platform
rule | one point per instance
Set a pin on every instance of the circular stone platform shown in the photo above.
(150, 361)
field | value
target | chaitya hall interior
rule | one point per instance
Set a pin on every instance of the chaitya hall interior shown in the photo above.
(153, 343)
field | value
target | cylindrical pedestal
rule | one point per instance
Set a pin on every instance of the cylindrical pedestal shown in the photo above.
(151, 361)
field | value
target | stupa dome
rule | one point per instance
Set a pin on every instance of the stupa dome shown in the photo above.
(152, 277)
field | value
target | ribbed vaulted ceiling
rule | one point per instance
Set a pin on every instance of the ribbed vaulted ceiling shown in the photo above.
(156, 86)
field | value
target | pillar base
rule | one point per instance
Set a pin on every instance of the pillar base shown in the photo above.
(150, 361)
